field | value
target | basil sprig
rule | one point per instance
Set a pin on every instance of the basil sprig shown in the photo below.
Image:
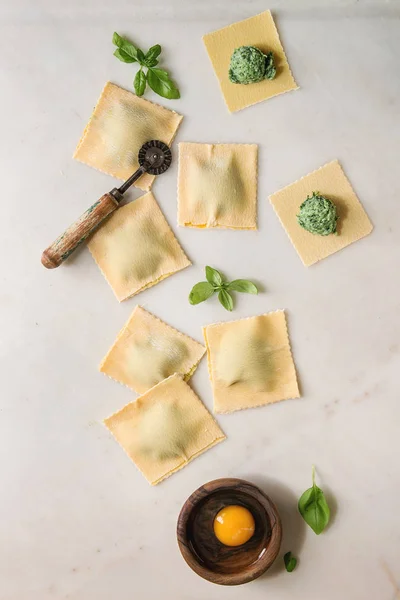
(216, 284)
(314, 508)
(290, 562)
(158, 79)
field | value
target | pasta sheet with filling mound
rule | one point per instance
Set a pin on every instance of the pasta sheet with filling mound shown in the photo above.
(330, 181)
(119, 126)
(259, 31)
(217, 185)
(166, 428)
(135, 248)
(147, 350)
(250, 362)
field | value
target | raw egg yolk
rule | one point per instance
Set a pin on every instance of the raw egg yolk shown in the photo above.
(234, 525)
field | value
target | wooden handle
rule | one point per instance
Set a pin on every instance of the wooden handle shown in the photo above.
(77, 233)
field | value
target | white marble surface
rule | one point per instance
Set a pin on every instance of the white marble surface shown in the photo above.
(78, 520)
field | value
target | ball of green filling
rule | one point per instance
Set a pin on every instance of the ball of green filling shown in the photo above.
(318, 215)
(249, 65)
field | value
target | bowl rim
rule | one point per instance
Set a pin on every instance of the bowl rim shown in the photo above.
(262, 564)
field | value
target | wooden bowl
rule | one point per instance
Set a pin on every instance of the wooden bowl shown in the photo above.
(203, 552)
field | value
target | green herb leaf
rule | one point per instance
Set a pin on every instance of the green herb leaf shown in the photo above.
(158, 79)
(214, 277)
(216, 283)
(243, 285)
(123, 56)
(161, 84)
(162, 74)
(200, 292)
(290, 562)
(152, 54)
(117, 40)
(140, 55)
(152, 62)
(314, 508)
(140, 82)
(124, 45)
(226, 299)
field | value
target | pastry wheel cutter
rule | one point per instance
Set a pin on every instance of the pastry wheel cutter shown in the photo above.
(154, 157)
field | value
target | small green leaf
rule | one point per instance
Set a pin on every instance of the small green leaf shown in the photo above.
(117, 40)
(123, 56)
(216, 283)
(290, 562)
(214, 277)
(162, 74)
(161, 84)
(200, 292)
(226, 299)
(243, 285)
(140, 55)
(152, 54)
(152, 62)
(314, 508)
(139, 82)
(124, 45)
(154, 51)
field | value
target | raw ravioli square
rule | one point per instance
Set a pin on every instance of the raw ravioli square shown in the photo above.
(217, 185)
(135, 248)
(166, 428)
(330, 181)
(259, 31)
(250, 362)
(120, 124)
(147, 350)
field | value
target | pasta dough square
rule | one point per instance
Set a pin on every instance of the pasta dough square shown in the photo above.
(166, 428)
(135, 248)
(352, 225)
(147, 350)
(217, 185)
(119, 126)
(259, 31)
(250, 362)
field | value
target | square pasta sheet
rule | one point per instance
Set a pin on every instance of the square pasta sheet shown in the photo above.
(147, 350)
(135, 248)
(250, 362)
(258, 31)
(120, 124)
(331, 182)
(163, 430)
(217, 185)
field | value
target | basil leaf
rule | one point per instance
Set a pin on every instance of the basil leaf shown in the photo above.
(123, 56)
(162, 74)
(150, 59)
(290, 562)
(152, 62)
(243, 285)
(314, 508)
(200, 292)
(124, 45)
(153, 52)
(117, 40)
(140, 55)
(161, 84)
(139, 83)
(226, 299)
(216, 283)
(214, 277)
